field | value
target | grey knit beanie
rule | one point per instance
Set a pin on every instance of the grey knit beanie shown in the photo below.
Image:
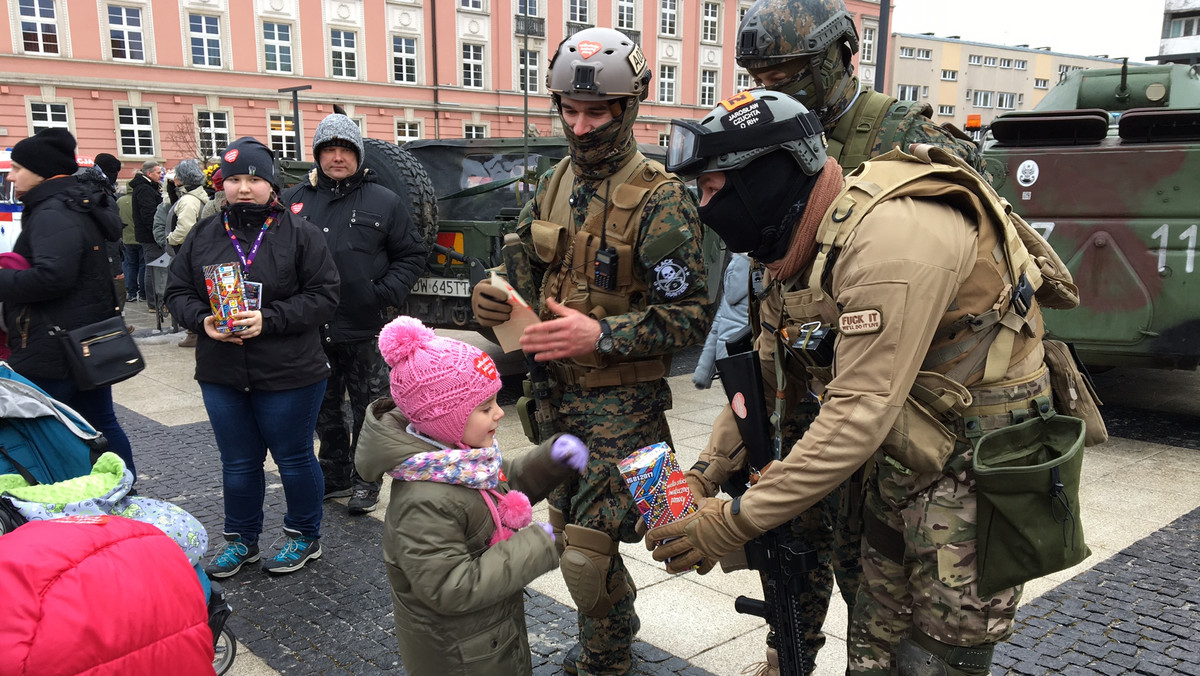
(338, 130)
(190, 174)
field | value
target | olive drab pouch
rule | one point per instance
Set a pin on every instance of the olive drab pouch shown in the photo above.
(1027, 483)
(920, 440)
(1073, 391)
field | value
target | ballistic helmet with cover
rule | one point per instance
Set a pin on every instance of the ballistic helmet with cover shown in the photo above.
(598, 64)
(812, 41)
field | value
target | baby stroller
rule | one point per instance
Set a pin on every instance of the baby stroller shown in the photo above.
(52, 465)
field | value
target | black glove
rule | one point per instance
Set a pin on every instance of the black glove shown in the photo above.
(490, 304)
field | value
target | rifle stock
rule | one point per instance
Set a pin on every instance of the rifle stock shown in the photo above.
(782, 558)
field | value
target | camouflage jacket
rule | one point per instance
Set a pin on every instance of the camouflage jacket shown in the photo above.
(658, 324)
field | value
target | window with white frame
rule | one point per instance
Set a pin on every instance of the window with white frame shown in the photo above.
(1020, 64)
(710, 22)
(527, 8)
(577, 11)
(866, 46)
(213, 131)
(666, 84)
(906, 92)
(974, 60)
(1184, 27)
(982, 99)
(39, 26)
(668, 17)
(925, 91)
(626, 15)
(1020, 98)
(946, 110)
(1006, 63)
(282, 136)
(1062, 71)
(407, 131)
(1006, 100)
(1041, 83)
(989, 61)
(404, 59)
(530, 69)
(277, 47)
(925, 54)
(125, 33)
(472, 66)
(708, 88)
(204, 34)
(48, 116)
(343, 53)
(907, 52)
(664, 139)
(471, 4)
(474, 131)
(950, 75)
(135, 129)
(742, 82)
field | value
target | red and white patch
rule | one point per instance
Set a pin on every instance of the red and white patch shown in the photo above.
(485, 367)
(297, 207)
(232, 155)
(860, 322)
(587, 48)
(97, 519)
(738, 404)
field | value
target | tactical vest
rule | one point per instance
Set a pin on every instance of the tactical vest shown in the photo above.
(874, 117)
(569, 249)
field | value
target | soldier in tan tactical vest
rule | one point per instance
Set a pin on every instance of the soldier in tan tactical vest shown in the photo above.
(615, 242)
(916, 268)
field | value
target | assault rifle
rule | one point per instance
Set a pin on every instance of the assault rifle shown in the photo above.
(781, 557)
(537, 416)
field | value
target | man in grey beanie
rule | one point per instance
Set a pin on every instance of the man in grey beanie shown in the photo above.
(379, 255)
(186, 213)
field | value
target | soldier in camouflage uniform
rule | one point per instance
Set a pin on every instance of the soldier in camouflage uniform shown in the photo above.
(615, 241)
(907, 261)
(803, 48)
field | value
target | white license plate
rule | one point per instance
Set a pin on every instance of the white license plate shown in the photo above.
(442, 286)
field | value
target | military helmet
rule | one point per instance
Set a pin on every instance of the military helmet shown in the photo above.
(776, 31)
(743, 128)
(597, 64)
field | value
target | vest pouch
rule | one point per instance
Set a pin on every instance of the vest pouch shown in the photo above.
(1073, 392)
(1027, 482)
(917, 440)
(549, 241)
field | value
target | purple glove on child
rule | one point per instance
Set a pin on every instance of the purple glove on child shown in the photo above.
(548, 528)
(569, 450)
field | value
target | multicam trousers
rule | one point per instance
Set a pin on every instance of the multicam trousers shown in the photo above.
(600, 500)
(934, 589)
(358, 376)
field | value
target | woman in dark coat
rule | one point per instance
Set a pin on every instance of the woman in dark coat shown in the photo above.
(66, 223)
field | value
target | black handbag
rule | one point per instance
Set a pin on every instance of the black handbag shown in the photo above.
(102, 353)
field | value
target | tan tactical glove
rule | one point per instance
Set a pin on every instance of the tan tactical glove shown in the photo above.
(701, 487)
(489, 304)
(697, 541)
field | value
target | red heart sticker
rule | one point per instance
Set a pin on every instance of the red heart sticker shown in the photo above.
(679, 496)
(587, 48)
(739, 405)
(297, 207)
(486, 367)
(231, 156)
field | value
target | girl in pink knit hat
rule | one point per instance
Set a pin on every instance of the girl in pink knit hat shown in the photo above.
(458, 539)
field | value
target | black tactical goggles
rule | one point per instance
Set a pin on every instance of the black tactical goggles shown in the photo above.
(692, 145)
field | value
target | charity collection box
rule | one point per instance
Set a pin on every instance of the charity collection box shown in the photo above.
(659, 489)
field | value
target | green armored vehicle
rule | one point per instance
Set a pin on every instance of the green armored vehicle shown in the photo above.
(1107, 168)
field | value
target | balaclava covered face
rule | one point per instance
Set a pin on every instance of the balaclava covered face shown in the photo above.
(759, 205)
(601, 151)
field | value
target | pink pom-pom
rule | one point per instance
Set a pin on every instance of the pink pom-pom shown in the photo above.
(401, 337)
(515, 510)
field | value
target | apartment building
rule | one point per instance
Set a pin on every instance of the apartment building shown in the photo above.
(1180, 41)
(169, 79)
(959, 78)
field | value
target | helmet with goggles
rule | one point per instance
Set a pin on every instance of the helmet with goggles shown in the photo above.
(598, 64)
(743, 128)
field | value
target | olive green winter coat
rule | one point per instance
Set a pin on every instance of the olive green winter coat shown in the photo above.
(458, 603)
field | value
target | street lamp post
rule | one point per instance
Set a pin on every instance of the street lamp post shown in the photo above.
(296, 113)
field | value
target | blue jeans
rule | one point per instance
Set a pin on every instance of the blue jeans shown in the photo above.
(134, 267)
(246, 425)
(96, 407)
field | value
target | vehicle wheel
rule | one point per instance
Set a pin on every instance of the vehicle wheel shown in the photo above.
(225, 652)
(401, 172)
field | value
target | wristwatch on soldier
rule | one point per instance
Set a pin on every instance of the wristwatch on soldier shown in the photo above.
(604, 344)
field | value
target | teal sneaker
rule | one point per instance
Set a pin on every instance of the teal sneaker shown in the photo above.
(297, 551)
(231, 558)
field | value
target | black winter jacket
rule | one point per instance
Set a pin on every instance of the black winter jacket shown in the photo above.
(300, 292)
(147, 195)
(65, 225)
(378, 251)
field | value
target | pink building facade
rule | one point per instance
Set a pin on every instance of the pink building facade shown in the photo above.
(171, 79)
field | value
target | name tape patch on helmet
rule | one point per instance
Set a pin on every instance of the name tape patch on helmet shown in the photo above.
(637, 60)
(746, 114)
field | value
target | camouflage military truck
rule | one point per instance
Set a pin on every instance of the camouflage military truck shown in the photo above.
(465, 195)
(1106, 168)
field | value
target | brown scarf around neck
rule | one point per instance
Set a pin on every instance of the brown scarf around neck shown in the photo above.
(804, 238)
